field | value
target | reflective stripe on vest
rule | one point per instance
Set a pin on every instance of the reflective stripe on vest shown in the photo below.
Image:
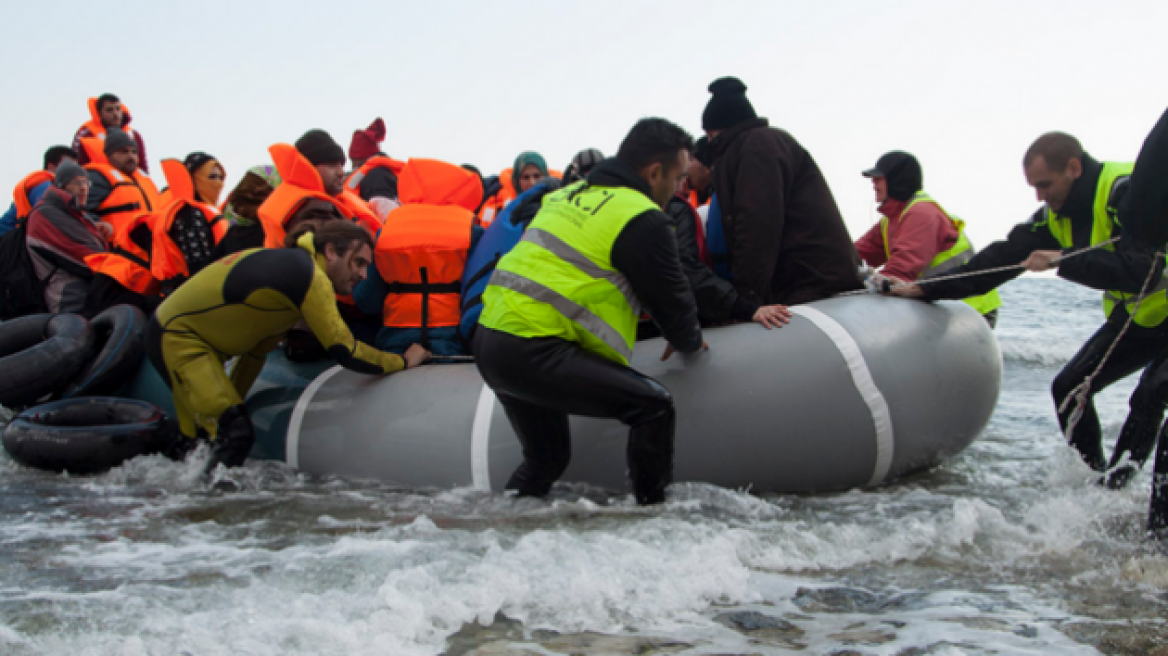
(1154, 303)
(559, 280)
(959, 253)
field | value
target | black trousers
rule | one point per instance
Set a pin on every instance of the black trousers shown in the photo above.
(540, 381)
(1138, 348)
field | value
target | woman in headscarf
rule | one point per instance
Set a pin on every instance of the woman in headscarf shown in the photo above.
(242, 203)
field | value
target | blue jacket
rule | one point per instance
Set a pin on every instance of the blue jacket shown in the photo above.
(8, 220)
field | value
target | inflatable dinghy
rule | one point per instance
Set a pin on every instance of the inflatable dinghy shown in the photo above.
(855, 391)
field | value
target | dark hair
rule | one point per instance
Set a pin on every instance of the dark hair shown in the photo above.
(343, 236)
(1056, 149)
(652, 141)
(54, 155)
(106, 98)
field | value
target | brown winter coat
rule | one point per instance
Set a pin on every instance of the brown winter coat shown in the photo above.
(787, 241)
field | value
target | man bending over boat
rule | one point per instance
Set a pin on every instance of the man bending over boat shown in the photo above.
(241, 307)
(560, 314)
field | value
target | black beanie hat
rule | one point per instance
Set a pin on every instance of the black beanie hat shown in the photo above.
(901, 171)
(116, 140)
(319, 148)
(728, 106)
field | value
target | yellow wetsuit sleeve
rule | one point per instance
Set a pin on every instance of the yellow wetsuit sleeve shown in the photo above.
(320, 312)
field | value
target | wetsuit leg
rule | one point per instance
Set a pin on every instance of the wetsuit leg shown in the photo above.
(564, 379)
(1132, 353)
(1158, 509)
(547, 445)
(1138, 437)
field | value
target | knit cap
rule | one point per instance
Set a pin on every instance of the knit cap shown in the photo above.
(728, 106)
(116, 140)
(319, 148)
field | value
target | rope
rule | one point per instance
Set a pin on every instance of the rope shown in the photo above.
(967, 274)
(1081, 393)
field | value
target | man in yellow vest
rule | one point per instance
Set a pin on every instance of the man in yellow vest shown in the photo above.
(916, 238)
(1081, 197)
(560, 313)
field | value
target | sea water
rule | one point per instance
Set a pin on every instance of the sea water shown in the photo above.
(1008, 548)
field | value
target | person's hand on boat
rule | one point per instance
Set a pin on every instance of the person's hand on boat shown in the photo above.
(415, 355)
(1040, 261)
(907, 290)
(669, 350)
(772, 316)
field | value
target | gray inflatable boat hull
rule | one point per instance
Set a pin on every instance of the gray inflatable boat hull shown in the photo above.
(855, 391)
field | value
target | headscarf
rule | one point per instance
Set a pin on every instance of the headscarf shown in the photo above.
(201, 166)
(251, 192)
(521, 162)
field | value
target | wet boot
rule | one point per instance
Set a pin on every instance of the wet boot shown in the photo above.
(234, 441)
(1137, 439)
(547, 447)
(650, 457)
(1158, 508)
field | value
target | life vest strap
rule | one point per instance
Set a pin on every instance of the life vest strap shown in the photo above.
(125, 207)
(425, 287)
(118, 250)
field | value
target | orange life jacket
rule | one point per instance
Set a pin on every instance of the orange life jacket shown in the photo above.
(168, 261)
(126, 262)
(300, 182)
(495, 204)
(94, 123)
(129, 196)
(27, 184)
(423, 246)
(361, 212)
(353, 182)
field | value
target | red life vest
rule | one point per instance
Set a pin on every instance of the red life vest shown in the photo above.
(27, 184)
(424, 244)
(130, 195)
(126, 262)
(300, 182)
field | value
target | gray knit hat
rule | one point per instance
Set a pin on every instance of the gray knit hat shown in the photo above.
(67, 172)
(116, 140)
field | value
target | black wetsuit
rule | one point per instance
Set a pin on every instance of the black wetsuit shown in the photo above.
(1123, 270)
(540, 381)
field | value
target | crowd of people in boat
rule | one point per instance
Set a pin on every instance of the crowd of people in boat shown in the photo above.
(548, 278)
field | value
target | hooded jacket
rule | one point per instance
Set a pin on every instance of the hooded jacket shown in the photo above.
(60, 236)
(94, 128)
(788, 243)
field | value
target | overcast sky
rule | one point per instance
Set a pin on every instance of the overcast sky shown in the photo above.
(965, 86)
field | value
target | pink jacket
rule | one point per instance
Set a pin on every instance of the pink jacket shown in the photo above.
(914, 239)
